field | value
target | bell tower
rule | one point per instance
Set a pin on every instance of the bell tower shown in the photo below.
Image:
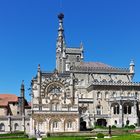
(60, 46)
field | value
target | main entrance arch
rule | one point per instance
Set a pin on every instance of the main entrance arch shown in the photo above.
(101, 122)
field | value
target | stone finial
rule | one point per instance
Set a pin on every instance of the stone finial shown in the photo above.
(82, 48)
(22, 85)
(81, 45)
(132, 66)
(61, 16)
(38, 67)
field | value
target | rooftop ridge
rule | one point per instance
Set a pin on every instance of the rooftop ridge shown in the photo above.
(91, 68)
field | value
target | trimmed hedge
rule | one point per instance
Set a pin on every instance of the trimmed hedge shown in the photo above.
(100, 135)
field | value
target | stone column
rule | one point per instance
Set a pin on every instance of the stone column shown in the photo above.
(9, 124)
(121, 116)
(23, 123)
(135, 111)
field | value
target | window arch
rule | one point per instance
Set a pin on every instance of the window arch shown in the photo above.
(98, 110)
(106, 95)
(78, 58)
(114, 94)
(69, 124)
(115, 122)
(55, 105)
(127, 122)
(116, 108)
(136, 94)
(55, 124)
(119, 81)
(128, 94)
(16, 127)
(127, 108)
(99, 95)
(2, 127)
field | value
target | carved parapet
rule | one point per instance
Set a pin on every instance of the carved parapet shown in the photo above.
(39, 117)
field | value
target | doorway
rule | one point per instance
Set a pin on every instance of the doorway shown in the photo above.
(101, 122)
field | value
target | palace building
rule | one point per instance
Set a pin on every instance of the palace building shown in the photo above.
(78, 95)
(15, 112)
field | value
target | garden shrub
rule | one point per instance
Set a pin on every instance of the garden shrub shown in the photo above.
(114, 126)
(131, 126)
(100, 135)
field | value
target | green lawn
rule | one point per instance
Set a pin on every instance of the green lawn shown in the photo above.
(124, 137)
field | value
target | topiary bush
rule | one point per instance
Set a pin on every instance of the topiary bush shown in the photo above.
(131, 126)
(100, 135)
(114, 126)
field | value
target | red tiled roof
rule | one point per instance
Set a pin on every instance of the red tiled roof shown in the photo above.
(6, 98)
(94, 64)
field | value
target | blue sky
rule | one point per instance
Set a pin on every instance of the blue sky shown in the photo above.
(109, 30)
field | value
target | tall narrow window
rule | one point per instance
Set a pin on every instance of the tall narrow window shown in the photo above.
(98, 109)
(99, 95)
(116, 109)
(129, 109)
(16, 127)
(55, 124)
(78, 58)
(2, 127)
(69, 124)
(106, 95)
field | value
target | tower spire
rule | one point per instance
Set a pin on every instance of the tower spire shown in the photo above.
(60, 39)
(60, 46)
(22, 98)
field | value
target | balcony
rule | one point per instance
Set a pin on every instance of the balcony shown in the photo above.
(124, 98)
(101, 116)
(85, 100)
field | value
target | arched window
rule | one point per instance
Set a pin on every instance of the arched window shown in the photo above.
(116, 109)
(78, 58)
(2, 127)
(16, 127)
(98, 110)
(127, 108)
(55, 106)
(80, 110)
(136, 94)
(106, 95)
(55, 124)
(127, 122)
(128, 94)
(54, 88)
(115, 121)
(99, 95)
(119, 81)
(69, 124)
(114, 94)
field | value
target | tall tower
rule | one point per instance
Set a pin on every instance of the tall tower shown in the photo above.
(60, 46)
(22, 98)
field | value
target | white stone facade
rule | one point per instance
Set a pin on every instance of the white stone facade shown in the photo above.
(79, 95)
